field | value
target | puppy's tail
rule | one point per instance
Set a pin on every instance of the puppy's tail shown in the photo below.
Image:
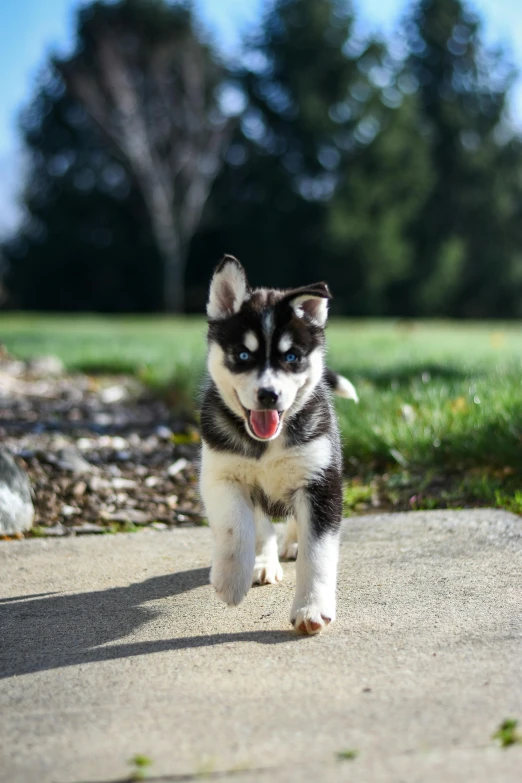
(340, 385)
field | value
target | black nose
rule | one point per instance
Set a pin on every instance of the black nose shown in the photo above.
(267, 397)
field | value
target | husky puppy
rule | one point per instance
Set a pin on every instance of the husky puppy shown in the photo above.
(271, 443)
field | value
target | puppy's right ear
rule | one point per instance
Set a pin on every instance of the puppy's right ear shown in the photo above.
(228, 289)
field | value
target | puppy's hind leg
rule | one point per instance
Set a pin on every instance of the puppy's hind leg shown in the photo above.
(232, 522)
(267, 569)
(288, 546)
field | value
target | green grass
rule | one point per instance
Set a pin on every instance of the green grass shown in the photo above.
(159, 346)
(437, 398)
(432, 394)
(140, 767)
(347, 755)
(507, 733)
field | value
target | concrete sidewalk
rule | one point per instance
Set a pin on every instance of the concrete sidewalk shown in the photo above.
(116, 645)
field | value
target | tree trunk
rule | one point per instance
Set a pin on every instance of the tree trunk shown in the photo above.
(159, 202)
(170, 247)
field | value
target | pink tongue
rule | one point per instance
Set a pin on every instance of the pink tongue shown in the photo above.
(264, 423)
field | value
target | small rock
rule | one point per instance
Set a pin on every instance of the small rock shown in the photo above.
(152, 481)
(85, 443)
(128, 515)
(113, 394)
(103, 419)
(172, 501)
(159, 525)
(79, 489)
(16, 506)
(123, 483)
(88, 527)
(55, 530)
(163, 432)
(46, 365)
(177, 467)
(118, 443)
(99, 484)
(124, 500)
(104, 442)
(69, 511)
(13, 368)
(71, 459)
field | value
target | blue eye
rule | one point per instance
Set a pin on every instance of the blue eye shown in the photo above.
(244, 356)
(290, 357)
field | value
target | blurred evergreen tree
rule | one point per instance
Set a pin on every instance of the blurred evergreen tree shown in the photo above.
(150, 87)
(467, 235)
(384, 182)
(327, 170)
(396, 180)
(84, 243)
(305, 101)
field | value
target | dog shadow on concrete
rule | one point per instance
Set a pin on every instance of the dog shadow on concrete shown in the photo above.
(49, 631)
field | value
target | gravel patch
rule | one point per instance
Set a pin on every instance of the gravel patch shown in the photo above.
(102, 452)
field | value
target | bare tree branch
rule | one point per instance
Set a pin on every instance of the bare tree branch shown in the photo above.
(154, 101)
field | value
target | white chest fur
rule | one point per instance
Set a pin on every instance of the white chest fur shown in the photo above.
(279, 472)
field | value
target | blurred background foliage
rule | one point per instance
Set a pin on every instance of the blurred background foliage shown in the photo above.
(387, 168)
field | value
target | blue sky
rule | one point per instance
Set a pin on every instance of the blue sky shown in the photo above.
(31, 28)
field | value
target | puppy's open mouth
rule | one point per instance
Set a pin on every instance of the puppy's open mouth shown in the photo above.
(264, 424)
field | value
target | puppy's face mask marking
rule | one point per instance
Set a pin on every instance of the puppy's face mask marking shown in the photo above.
(266, 346)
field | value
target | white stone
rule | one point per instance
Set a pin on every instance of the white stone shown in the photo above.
(16, 506)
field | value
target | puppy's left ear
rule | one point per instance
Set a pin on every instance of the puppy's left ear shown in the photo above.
(228, 289)
(310, 302)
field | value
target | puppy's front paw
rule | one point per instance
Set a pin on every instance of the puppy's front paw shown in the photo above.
(231, 580)
(267, 571)
(312, 618)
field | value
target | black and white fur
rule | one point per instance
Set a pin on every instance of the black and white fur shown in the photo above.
(296, 472)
